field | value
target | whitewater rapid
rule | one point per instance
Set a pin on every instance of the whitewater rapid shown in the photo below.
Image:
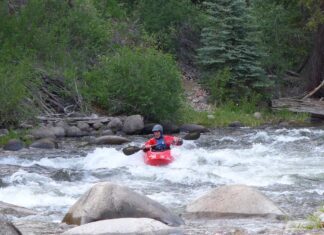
(286, 164)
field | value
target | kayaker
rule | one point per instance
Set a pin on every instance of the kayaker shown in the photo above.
(161, 142)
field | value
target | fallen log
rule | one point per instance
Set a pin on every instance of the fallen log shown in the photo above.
(311, 106)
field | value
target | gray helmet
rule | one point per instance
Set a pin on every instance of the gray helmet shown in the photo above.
(157, 127)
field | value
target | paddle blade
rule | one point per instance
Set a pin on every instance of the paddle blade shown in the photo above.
(192, 136)
(131, 150)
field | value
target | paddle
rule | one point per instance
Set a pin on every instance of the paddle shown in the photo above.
(133, 149)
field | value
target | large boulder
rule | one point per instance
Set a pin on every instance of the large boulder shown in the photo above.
(138, 226)
(233, 201)
(110, 139)
(14, 145)
(109, 201)
(48, 132)
(7, 228)
(33, 227)
(13, 210)
(45, 143)
(115, 124)
(133, 124)
(193, 128)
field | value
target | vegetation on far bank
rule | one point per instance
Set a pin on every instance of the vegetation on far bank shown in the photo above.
(228, 114)
(125, 57)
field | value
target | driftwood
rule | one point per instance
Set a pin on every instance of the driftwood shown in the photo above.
(311, 106)
(89, 119)
(314, 91)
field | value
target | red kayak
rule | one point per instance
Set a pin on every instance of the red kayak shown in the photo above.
(155, 158)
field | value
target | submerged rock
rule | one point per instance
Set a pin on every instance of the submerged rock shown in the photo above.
(44, 144)
(193, 128)
(233, 201)
(13, 210)
(110, 139)
(139, 226)
(109, 201)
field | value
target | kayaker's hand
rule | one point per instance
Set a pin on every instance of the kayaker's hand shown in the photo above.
(146, 148)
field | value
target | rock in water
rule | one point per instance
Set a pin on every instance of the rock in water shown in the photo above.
(109, 201)
(233, 201)
(117, 226)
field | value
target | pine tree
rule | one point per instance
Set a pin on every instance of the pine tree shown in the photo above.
(229, 42)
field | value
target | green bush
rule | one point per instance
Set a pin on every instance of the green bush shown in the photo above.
(143, 81)
(162, 19)
(13, 91)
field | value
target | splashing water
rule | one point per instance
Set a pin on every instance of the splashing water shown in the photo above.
(286, 164)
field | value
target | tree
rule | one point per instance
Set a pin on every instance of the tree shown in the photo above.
(316, 24)
(229, 42)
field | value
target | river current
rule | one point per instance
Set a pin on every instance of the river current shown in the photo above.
(285, 164)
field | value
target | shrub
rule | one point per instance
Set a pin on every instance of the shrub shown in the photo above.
(13, 91)
(143, 81)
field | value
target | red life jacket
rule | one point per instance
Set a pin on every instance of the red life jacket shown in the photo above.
(168, 140)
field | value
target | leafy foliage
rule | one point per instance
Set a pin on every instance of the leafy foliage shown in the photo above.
(282, 35)
(162, 18)
(143, 81)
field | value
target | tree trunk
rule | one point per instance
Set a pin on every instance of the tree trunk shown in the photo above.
(316, 75)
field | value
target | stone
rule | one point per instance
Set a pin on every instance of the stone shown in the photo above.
(97, 125)
(170, 128)
(13, 210)
(4, 132)
(107, 132)
(110, 201)
(133, 124)
(257, 115)
(45, 143)
(83, 126)
(48, 132)
(235, 124)
(7, 228)
(193, 128)
(111, 139)
(115, 124)
(73, 131)
(14, 145)
(233, 201)
(136, 226)
(32, 227)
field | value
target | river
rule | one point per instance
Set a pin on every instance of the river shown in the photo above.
(285, 164)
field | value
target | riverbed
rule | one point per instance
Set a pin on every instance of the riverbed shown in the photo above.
(285, 164)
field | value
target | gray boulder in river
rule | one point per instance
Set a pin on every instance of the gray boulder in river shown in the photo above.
(110, 139)
(233, 201)
(109, 201)
(143, 226)
(7, 228)
(133, 124)
(8, 209)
